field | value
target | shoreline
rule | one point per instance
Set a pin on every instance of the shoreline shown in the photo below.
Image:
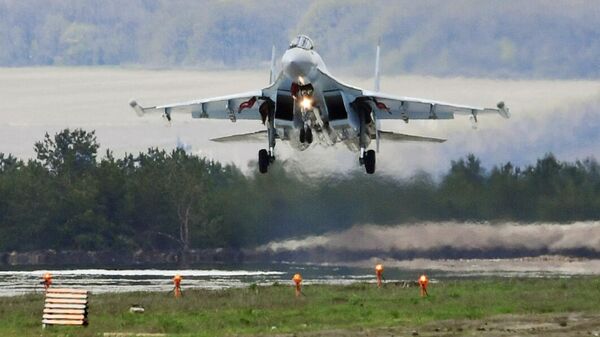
(478, 261)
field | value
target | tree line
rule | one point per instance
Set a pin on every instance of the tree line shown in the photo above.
(512, 38)
(69, 197)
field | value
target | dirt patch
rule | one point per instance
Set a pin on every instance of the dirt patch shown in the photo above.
(573, 324)
(566, 324)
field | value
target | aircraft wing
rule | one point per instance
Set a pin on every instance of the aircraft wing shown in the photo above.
(251, 137)
(238, 106)
(407, 108)
(401, 137)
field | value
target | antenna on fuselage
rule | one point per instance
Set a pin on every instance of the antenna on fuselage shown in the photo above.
(377, 73)
(272, 75)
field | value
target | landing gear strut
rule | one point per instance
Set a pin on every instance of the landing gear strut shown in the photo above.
(266, 157)
(366, 158)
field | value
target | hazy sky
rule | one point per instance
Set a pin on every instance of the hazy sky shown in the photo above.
(547, 116)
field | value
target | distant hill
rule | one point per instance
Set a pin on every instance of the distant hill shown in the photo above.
(558, 39)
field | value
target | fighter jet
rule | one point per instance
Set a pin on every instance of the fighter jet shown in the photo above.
(305, 105)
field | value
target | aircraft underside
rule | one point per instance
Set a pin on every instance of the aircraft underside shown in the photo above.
(305, 115)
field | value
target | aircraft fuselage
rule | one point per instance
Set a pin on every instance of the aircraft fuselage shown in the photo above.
(316, 107)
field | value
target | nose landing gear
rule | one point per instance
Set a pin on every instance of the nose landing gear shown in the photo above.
(309, 135)
(306, 135)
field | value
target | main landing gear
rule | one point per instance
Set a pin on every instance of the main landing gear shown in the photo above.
(264, 160)
(266, 157)
(368, 160)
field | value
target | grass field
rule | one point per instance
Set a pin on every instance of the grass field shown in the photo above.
(273, 310)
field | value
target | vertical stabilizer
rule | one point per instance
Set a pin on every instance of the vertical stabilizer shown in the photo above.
(377, 73)
(377, 77)
(272, 76)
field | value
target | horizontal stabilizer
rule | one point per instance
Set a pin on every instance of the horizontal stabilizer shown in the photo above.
(258, 136)
(400, 137)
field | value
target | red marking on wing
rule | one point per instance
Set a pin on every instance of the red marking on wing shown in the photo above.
(382, 106)
(247, 105)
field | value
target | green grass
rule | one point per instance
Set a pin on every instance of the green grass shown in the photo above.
(274, 309)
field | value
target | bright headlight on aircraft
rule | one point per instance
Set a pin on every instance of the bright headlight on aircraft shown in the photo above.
(306, 103)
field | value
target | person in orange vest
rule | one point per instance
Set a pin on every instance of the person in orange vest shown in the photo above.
(47, 280)
(423, 281)
(379, 274)
(298, 281)
(177, 286)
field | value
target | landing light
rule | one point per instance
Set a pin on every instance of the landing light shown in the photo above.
(306, 103)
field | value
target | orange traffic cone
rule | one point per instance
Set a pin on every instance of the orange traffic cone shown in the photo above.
(47, 280)
(423, 281)
(177, 285)
(298, 281)
(379, 274)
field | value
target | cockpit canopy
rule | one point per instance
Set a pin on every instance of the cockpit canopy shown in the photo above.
(302, 41)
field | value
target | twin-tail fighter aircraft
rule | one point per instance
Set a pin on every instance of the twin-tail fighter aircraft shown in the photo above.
(305, 105)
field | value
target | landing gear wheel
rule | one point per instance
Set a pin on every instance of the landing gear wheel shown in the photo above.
(308, 135)
(370, 161)
(263, 161)
(302, 135)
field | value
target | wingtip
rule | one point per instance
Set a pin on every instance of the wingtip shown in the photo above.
(503, 109)
(135, 106)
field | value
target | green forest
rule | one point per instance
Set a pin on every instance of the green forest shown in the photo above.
(71, 197)
(513, 38)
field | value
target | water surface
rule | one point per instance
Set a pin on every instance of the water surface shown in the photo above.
(125, 280)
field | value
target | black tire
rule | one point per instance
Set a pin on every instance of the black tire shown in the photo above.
(302, 135)
(309, 136)
(263, 161)
(370, 161)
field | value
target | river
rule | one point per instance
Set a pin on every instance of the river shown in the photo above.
(16, 282)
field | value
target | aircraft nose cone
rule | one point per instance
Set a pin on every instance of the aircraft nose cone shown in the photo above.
(296, 69)
(297, 65)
